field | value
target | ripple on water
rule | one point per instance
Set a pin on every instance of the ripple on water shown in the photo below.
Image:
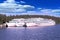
(31, 33)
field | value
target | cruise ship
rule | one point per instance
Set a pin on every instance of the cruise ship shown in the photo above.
(30, 22)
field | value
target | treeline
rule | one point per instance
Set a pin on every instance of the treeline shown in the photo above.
(8, 18)
(2, 18)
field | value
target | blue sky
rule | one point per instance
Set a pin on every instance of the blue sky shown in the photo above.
(30, 7)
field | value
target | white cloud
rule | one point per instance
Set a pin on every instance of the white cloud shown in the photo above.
(51, 12)
(28, 6)
(10, 6)
(10, 1)
(56, 10)
(44, 12)
(22, 2)
(31, 13)
(39, 8)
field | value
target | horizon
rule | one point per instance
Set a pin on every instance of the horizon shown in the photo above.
(30, 7)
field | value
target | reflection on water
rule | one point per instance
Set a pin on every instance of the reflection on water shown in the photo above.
(21, 33)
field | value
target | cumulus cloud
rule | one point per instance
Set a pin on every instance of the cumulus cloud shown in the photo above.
(30, 13)
(56, 10)
(39, 8)
(50, 12)
(22, 2)
(10, 1)
(10, 6)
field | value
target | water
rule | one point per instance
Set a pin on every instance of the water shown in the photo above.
(37, 33)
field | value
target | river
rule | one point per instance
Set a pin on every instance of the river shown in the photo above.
(36, 33)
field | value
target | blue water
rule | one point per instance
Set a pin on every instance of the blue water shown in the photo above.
(20, 33)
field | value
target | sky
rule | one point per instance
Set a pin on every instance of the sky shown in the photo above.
(30, 7)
